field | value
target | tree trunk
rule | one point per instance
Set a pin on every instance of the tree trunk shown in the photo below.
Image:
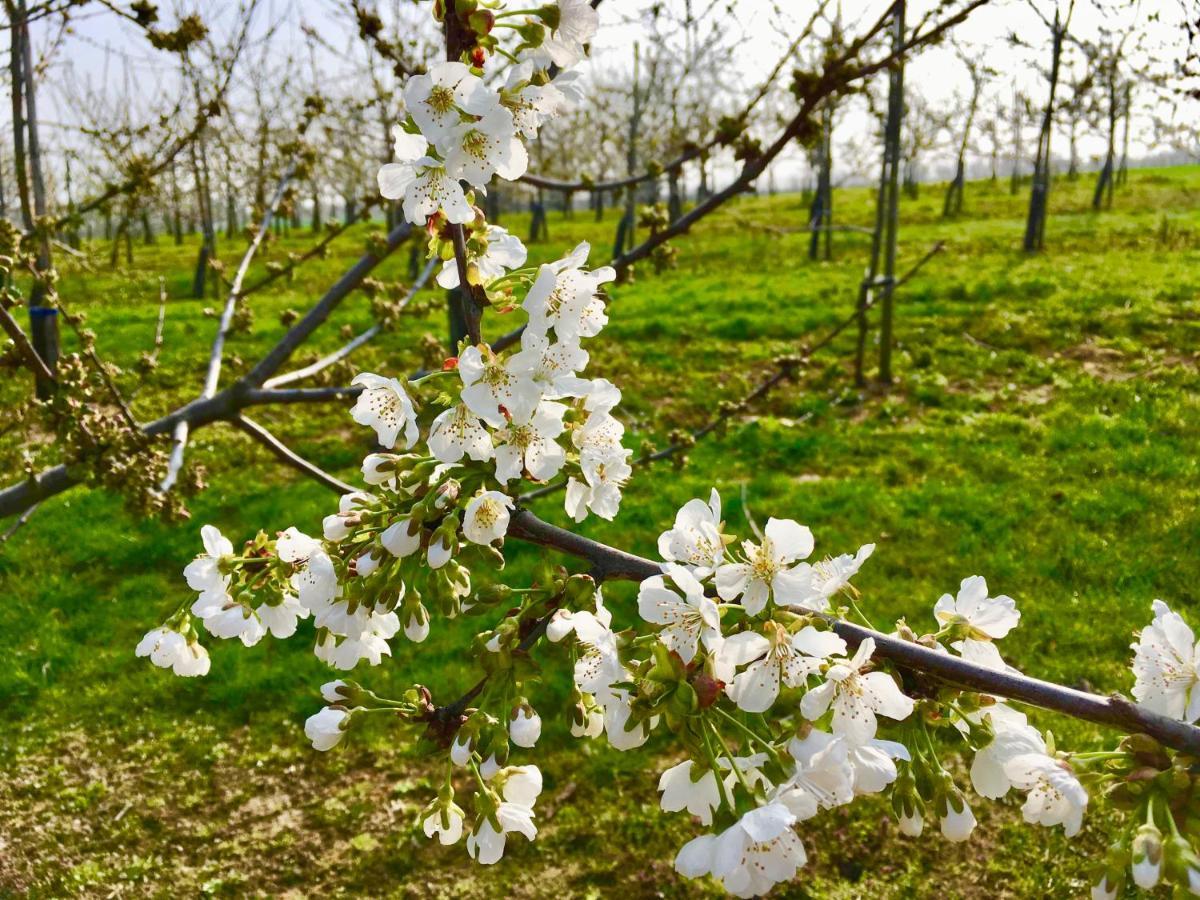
(43, 318)
(821, 212)
(895, 113)
(1104, 182)
(1039, 193)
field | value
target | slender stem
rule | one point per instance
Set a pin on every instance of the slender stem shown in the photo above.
(749, 732)
(722, 790)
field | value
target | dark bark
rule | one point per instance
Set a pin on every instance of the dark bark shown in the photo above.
(821, 212)
(895, 114)
(1039, 194)
(43, 319)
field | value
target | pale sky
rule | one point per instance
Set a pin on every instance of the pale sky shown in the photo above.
(107, 57)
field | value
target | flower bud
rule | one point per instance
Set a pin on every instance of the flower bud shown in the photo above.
(1147, 856)
(957, 819)
(525, 726)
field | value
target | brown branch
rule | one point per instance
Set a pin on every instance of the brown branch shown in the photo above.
(354, 343)
(216, 355)
(1117, 712)
(13, 328)
(290, 457)
(16, 526)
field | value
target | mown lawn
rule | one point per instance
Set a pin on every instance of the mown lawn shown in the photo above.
(1043, 433)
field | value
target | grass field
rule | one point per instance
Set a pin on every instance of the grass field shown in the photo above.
(1043, 433)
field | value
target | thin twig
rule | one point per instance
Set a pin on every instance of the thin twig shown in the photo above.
(212, 375)
(350, 346)
(162, 315)
(290, 457)
(12, 529)
(35, 363)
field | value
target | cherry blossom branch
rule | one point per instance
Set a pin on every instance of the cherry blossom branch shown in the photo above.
(289, 456)
(354, 343)
(203, 113)
(17, 525)
(19, 496)
(1115, 711)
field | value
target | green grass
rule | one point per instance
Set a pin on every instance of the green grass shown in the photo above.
(1042, 433)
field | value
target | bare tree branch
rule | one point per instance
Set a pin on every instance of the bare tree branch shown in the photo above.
(213, 374)
(350, 346)
(290, 457)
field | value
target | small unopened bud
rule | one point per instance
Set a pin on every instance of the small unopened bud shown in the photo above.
(1147, 856)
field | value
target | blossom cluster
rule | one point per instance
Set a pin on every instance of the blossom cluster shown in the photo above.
(740, 652)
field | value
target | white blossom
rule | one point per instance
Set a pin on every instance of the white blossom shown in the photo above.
(168, 649)
(331, 691)
(556, 364)
(458, 431)
(439, 552)
(828, 577)
(521, 787)
(416, 623)
(686, 620)
(823, 777)
(337, 527)
(768, 568)
(564, 297)
(444, 821)
(525, 727)
(983, 619)
(577, 24)
(957, 821)
(486, 517)
(494, 385)
(750, 857)
(460, 750)
(434, 99)
(384, 405)
(1055, 795)
(281, 619)
(600, 492)
(856, 697)
(325, 729)
(230, 619)
(699, 796)
(481, 148)
(1165, 663)
(1012, 737)
(425, 189)
(528, 444)
(785, 658)
(203, 573)
(911, 825)
(402, 538)
(695, 541)
(532, 104)
(617, 713)
(1102, 890)
(504, 252)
